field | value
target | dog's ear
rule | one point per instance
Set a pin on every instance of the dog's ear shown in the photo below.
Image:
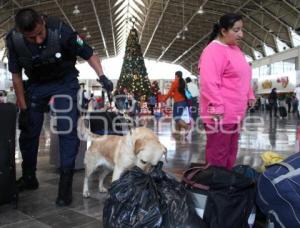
(138, 146)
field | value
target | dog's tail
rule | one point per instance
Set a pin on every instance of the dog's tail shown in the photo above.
(84, 132)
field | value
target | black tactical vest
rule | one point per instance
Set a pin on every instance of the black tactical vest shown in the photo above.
(51, 63)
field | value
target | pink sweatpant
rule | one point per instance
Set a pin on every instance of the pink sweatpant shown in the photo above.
(222, 144)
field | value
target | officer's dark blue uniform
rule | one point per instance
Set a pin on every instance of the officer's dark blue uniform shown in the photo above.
(51, 72)
(42, 87)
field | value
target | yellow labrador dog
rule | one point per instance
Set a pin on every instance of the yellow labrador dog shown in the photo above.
(140, 148)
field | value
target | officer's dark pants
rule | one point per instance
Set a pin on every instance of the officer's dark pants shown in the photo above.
(65, 109)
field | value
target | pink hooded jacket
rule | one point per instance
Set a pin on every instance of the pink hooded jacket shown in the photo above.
(224, 82)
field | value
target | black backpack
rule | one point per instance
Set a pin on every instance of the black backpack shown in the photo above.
(230, 195)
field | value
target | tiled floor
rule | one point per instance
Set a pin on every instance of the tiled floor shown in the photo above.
(37, 208)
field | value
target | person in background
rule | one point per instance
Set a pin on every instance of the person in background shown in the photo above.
(263, 103)
(177, 92)
(258, 104)
(151, 103)
(92, 103)
(288, 101)
(83, 97)
(225, 90)
(297, 94)
(294, 104)
(126, 100)
(121, 98)
(47, 49)
(194, 106)
(273, 102)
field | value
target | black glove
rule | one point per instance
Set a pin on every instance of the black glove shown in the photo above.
(106, 83)
(24, 120)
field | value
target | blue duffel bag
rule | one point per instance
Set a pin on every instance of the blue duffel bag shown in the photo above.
(278, 192)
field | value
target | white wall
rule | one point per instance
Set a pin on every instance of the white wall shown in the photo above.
(290, 53)
(112, 68)
(4, 77)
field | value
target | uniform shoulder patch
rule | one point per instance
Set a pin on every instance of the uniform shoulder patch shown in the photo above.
(79, 41)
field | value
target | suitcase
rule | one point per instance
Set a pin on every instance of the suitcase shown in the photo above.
(8, 189)
(282, 111)
(109, 123)
(278, 191)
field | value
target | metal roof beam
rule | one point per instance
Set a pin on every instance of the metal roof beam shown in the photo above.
(63, 13)
(37, 4)
(263, 28)
(286, 25)
(4, 55)
(291, 6)
(100, 28)
(205, 36)
(156, 27)
(6, 20)
(17, 3)
(298, 12)
(186, 24)
(9, 18)
(146, 19)
(112, 26)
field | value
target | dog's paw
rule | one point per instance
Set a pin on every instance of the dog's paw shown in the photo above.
(102, 189)
(86, 194)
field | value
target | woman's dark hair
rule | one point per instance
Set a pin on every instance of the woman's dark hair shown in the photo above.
(26, 19)
(188, 80)
(181, 88)
(225, 22)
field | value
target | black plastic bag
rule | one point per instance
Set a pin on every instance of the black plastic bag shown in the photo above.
(172, 198)
(145, 200)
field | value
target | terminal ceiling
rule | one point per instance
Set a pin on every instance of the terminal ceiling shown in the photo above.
(173, 31)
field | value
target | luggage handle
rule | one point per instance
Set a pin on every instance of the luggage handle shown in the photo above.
(290, 174)
(195, 170)
(286, 165)
(193, 184)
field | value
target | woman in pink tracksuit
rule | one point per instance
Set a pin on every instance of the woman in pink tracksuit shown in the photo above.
(225, 90)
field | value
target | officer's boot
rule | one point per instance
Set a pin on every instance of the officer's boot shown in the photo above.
(64, 197)
(28, 181)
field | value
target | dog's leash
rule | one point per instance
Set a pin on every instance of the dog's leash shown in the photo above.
(128, 119)
(165, 155)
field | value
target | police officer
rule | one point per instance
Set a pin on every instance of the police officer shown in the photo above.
(46, 48)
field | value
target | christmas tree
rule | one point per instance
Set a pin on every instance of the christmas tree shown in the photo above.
(134, 75)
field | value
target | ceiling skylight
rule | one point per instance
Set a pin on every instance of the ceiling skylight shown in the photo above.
(127, 13)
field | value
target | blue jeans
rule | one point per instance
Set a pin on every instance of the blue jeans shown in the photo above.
(39, 96)
(178, 109)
